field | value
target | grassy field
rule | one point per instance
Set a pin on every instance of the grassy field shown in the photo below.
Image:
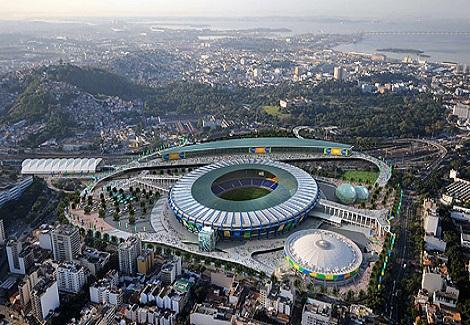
(244, 194)
(274, 111)
(362, 176)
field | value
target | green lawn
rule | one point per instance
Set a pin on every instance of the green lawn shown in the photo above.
(362, 176)
(244, 193)
(274, 111)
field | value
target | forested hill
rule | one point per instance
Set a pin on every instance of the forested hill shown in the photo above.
(98, 82)
(38, 100)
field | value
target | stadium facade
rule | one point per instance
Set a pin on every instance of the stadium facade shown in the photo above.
(258, 146)
(199, 199)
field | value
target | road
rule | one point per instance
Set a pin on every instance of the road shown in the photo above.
(394, 307)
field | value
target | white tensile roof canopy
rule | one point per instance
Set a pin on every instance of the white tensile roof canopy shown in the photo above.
(60, 166)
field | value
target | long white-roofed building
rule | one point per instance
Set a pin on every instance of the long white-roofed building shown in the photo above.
(60, 166)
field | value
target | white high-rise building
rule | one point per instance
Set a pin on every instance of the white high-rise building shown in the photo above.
(338, 73)
(71, 277)
(44, 299)
(128, 252)
(65, 243)
(25, 287)
(45, 237)
(19, 259)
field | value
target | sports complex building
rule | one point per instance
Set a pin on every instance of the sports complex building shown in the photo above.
(241, 190)
(244, 198)
(323, 255)
(258, 146)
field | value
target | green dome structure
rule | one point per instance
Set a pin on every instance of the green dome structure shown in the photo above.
(346, 193)
(362, 193)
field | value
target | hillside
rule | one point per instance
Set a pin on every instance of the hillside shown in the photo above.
(98, 82)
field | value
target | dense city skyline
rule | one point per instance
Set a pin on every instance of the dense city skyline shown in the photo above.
(421, 9)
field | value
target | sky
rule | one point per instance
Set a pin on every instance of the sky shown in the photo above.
(379, 9)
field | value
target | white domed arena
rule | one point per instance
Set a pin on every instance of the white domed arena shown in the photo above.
(323, 255)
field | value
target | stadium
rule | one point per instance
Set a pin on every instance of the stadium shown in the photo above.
(323, 255)
(244, 198)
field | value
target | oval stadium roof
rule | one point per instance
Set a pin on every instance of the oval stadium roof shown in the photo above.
(60, 166)
(273, 142)
(193, 198)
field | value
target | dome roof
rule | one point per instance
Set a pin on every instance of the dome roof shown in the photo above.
(323, 251)
(346, 193)
(362, 193)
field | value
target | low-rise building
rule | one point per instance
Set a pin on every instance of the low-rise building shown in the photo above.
(14, 192)
(105, 291)
(206, 314)
(316, 312)
(222, 279)
(94, 260)
(431, 281)
(170, 270)
(277, 298)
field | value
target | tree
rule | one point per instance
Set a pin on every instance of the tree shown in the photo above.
(116, 216)
(101, 214)
(362, 295)
(349, 295)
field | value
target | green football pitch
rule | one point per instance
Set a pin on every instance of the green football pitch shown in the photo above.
(244, 193)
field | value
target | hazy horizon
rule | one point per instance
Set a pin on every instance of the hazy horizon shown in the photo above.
(357, 9)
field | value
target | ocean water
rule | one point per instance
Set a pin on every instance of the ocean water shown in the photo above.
(439, 48)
